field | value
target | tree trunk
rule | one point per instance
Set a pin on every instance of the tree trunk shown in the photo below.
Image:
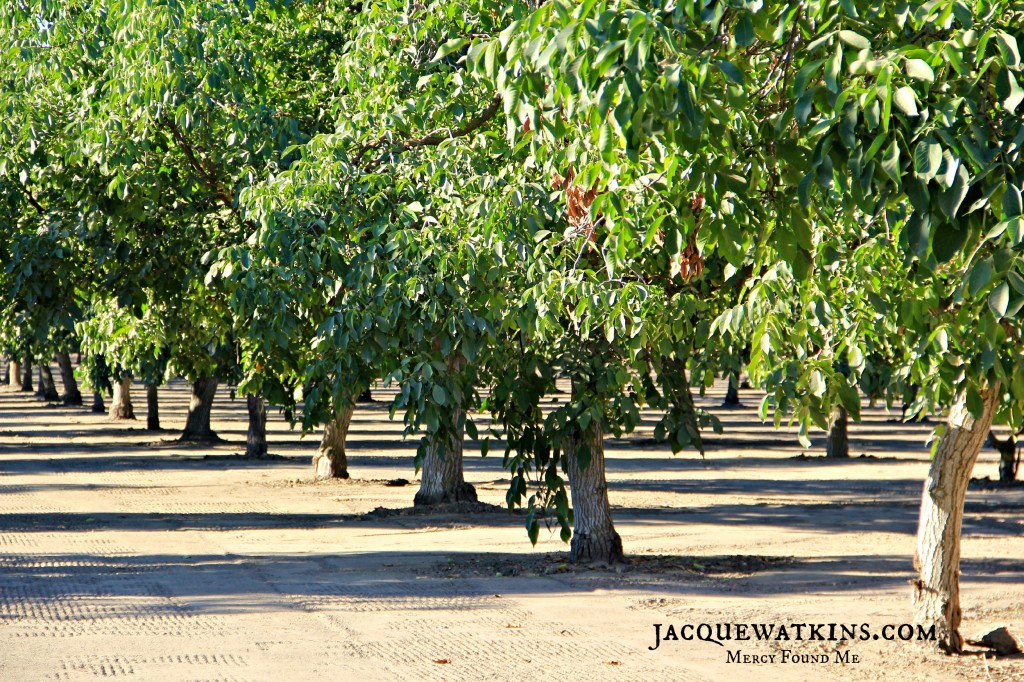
(152, 408)
(47, 389)
(26, 375)
(732, 393)
(441, 477)
(97, 402)
(14, 374)
(72, 396)
(594, 539)
(330, 460)
(121, 407)
(256, 437)
(197, 424)
(365, 397)
(937, 559)
(838, 444)
(1008, 463)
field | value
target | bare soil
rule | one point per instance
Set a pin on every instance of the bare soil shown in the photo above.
(124, 553)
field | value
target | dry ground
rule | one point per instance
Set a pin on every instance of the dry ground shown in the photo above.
(124, 554)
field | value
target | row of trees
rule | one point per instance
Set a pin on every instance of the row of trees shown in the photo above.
(472, 199)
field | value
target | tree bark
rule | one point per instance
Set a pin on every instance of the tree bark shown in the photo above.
(26, 375)
(442, 480)
(365, 397)
(121, 408)
(594, 539)
(152, 408)
(97, 402)
(197, 423)
(72, 396)
(732, 392)
(47, 388)
(937, 559)
(256, 437)
(837, 445)
(330, 460)
(14, 374)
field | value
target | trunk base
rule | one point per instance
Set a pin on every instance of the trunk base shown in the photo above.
(596, 549)
(72, 396)
(838, 444)
(463, 492)
(327, 466)
(197, 423)
(256, 437)
(152, 409)
(47, 388)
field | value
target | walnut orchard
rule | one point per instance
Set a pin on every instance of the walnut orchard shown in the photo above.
(472, 200)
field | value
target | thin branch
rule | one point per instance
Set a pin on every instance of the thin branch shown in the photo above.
(433, 139)
(32, 200)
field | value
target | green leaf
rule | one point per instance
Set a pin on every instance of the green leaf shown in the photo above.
(951, 199)
(744, 32)
(1008, 48)
(1015, 229)
(439, 394)
(1013, 205)
(854, 40)
(999, 299)
(817, 383)
(453, 45)
(832, 68)
(1016, 94)
(891, 161)
(905, 100)
(947, 242)
(730, 71)
(927, 158)
(919, 69)
(981, 275)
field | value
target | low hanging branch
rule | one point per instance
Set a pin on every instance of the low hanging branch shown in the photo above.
(431, 140)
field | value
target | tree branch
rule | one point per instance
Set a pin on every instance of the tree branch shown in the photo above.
(32, 200)
(433, 139)
(204, 171)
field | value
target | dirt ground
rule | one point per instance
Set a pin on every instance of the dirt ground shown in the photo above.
(125, 554)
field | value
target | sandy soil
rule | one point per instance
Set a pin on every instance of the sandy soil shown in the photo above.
(125, 554)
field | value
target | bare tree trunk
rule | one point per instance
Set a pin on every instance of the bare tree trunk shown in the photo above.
(330, 460)
(47, 388)
(937, 559)
(838, 443)
(152, 407)
(442, 479)
(365, 397)
(1008, 461)
(197, 424)
(732, 392)
(256, 437)
(97, 402)
(72, 396)
(26, 375)
(121, 407)
(594, 539)
(14, 374)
